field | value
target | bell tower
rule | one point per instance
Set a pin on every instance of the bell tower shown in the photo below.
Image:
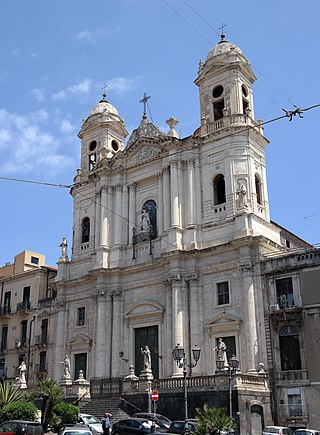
(235, 145)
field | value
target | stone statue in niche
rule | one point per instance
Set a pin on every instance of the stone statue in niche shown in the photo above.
(241, 193)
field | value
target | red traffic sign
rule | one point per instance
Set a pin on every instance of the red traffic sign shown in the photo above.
(154, 396)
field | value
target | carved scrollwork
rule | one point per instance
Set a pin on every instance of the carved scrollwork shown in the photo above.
(101, 292)
(191, 276)
(246, 267)
(60, 303)
(174, 277)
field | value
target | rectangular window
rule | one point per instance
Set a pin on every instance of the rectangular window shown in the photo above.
(34, 260)
(42, 362)
(44, 331)
(285, 292)
(24, 325)
(4, 337)
(223, 293)
(81, 316)
(2, 367)
(26, 297)
(7, 303)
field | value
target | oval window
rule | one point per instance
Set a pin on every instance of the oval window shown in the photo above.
(244, 90)
(93, 145)
(217, 91)
(115, 145)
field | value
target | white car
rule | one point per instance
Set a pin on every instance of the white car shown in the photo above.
(92, 422)
(307, 432)
(277, 430)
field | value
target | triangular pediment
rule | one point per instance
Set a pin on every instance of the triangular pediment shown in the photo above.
(224, 321)
(144, 310)
(144, 150)
(80, 340)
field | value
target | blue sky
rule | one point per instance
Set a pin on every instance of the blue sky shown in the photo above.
(57, 55)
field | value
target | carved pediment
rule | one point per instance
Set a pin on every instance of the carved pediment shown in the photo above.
(224, 322)
(144, 310)
(80, 342)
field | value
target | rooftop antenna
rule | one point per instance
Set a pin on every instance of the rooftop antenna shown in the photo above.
(222, 35)
(144, 100)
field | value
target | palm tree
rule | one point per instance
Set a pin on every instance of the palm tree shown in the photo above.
(51, 395)
(212, 421)
(9, 393)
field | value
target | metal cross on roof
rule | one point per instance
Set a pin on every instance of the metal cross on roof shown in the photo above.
(222, 30)
(104, 91)
(145, 102)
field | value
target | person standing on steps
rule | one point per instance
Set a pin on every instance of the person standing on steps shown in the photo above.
(106, 425)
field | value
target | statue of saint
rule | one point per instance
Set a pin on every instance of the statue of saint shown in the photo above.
(22, 372)
(145, 220)
(64, 248)
(241, 193)
(66, 367)
(146, 357)
(222, 352)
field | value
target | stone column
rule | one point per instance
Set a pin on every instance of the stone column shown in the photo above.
(195, 317)
(191, 194)
(166, 199)
(251, 323)
(174, 194)
(181, 192)
(61, 331)
(198, 203)
(116, 296)
(97, 220)
(125, 213)
(118, 216)
(177, 315)
(132, 208)
(160, 204)
(104, 228)
(100, 332)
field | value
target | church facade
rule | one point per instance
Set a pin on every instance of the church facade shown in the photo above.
(168, 236)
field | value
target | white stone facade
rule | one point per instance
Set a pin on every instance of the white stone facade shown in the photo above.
(196, 277)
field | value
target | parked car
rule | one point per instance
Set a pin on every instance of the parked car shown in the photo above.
(182, 426)
(78, 429)
(93, 422)
(129, 426)
(307, 432)
(161, 420)
(21, 427)
(278, 430)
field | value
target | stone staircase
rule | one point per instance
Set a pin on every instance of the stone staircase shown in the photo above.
(114, 405)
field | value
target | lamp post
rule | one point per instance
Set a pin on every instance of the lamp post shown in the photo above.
(230, 371)
(179, 356)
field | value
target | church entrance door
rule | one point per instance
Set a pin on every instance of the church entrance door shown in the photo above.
(147, 337)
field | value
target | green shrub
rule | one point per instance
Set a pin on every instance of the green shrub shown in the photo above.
(65, 413)
(19, 411)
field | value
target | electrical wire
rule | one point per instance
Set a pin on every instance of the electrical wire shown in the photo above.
(205, 21)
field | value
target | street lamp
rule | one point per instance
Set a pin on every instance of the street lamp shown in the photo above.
(179, 356)
(231, 371)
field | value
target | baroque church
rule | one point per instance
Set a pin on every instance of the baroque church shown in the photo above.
(168, 237)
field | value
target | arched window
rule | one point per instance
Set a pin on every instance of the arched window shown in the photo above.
(258, 189)
(290, 349)
(151, 208)
(219, 190)
(85, 233)
(218, 102)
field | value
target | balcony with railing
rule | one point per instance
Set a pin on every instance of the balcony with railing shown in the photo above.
(297, 411)
(21, 343)
(5, 310)
(41, 368)
(45, 302)
(298, 377)
(41, 340)
(23, 306)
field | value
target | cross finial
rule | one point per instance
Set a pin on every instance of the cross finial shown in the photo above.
(104, 91)
(222, 30)
(145, 102)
